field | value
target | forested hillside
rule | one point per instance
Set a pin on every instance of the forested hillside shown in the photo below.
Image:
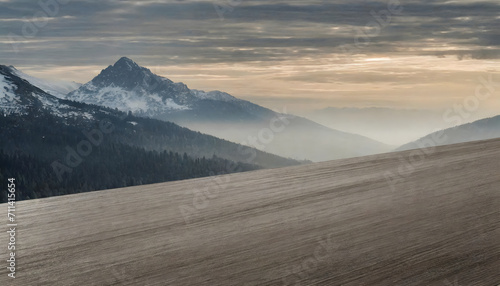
(111, 166)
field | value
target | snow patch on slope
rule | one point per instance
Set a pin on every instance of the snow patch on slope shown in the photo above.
(170, 104)
(137, 101)
(9, 101)
(6, 87)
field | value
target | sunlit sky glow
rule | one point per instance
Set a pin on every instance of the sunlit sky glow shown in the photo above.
(299, 54)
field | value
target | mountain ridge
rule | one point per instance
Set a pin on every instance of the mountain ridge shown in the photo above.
(130, 87)
(483, 129)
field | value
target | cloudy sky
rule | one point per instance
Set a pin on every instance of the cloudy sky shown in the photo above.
(301, 54)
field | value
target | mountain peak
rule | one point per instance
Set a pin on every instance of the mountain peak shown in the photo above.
(127, 63)
(125, 73)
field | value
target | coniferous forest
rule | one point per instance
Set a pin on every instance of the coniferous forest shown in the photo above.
(111, 166)
(129, 156)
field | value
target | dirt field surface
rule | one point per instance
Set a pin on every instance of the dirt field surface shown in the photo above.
(376, 220)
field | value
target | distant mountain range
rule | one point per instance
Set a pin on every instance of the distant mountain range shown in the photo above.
(488, 128)
(127, 86)
(394, 126)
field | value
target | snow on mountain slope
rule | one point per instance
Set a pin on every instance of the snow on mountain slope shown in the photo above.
(8, 99)
(137, 100)
(58, 88)
(18, 96)
(129, 87)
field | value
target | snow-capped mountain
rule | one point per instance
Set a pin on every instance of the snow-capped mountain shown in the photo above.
(18, 96)
(130, 87)
(57, 88)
